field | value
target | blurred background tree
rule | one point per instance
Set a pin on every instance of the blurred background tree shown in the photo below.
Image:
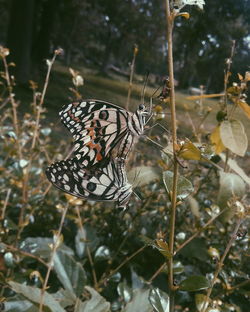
(102, 33)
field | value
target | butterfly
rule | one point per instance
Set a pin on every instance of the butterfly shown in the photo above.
(99, 127)
(106, 183)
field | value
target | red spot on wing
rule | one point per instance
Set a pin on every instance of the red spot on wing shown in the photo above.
(97, 147)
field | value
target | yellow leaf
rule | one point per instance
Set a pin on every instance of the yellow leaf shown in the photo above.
(189, 151)
(163, 248)
(216, 140)
(247, 76)
(240, 77)
(186, 15)
(246, 108)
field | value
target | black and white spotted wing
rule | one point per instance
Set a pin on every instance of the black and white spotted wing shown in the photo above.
(98, 127)
(108, 183)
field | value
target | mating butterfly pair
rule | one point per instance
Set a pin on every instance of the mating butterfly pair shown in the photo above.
(103, 136)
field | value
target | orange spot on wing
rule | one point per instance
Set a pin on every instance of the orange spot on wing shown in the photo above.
(99, 157)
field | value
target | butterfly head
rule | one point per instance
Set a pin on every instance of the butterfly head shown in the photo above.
(139, 119)
(142, 109)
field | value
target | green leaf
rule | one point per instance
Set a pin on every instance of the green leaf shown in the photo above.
(65, 297)
(139, 302)
(34, 295)
(194, 283)
(231, 185)
(159, 300)
(96, 304)
(102, 253)
(184, 186)
(195, 249)
(39, 246)
(19, 306)
(233, 136)
(70, 273)
(143, 175)
(162, 246)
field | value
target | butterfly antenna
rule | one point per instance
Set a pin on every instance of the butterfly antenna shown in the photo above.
(135, 185)
(155, 91)
(144, 87)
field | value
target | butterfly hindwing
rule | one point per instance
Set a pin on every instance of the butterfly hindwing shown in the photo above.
(99, 184)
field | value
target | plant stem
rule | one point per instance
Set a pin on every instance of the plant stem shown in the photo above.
(227, 75)
(14, 106)
(50, 64)
(2, 215)
(221, 262)
(170, 24)
(50, 264)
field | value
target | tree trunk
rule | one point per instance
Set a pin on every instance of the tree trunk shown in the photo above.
(42, 44)
(20, 37)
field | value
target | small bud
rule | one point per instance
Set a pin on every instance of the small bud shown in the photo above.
(4, 51)
(59, 51)
(136, 50)
(78, 81)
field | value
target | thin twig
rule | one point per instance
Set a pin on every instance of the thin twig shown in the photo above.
(157, 272)
(92, 267)
(21, 223)
(14, 106)
(227, 74)
(5, 204)
(221, 263)
(50, 64)
(53, 251)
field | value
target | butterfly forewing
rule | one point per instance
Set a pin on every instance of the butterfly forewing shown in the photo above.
(97, 127)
